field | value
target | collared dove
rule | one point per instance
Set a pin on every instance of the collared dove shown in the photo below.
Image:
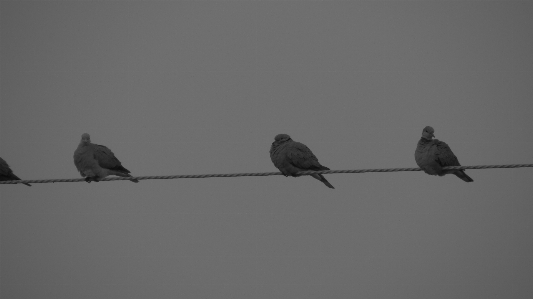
(95, 161)
(432, 155)
(291, 157)
(6, 174)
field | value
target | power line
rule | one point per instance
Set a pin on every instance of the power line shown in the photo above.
(226, 175)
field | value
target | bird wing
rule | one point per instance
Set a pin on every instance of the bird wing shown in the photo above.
(6, 174)
(106, 158)
(444, 155)
(4, 168)
(301, 156)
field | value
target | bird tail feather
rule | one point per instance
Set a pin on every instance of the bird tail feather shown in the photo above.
(122, 174)
(463, 176)
(14, 177)
(323, 180)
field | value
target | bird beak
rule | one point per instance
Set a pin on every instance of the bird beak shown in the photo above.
(432, 135)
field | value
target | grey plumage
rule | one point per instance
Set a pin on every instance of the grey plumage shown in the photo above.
(291, 157)
(95, 161)
(6, 174)
(432, 155)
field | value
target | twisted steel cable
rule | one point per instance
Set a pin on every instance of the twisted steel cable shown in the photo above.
(226, 175)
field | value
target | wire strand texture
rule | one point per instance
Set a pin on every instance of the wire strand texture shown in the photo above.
(227, 175)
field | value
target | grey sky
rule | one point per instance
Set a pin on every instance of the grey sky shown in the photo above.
(191, 87)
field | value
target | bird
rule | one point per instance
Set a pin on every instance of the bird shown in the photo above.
(6, 174)
(291, 157)
(95, 162)
(432, 155)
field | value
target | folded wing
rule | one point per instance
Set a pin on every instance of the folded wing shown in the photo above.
(301, 156)
(106, 159)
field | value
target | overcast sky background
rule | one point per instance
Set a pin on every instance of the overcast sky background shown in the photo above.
(193, 87)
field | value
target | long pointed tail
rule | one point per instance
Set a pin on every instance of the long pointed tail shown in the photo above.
(463, 176)
(12, 176)
(323, 180)
(122, 174)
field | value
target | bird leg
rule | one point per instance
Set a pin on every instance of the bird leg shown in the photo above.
(90, 179)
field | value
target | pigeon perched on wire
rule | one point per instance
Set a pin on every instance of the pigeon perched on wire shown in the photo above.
(432, 155)
(6, 174)
(291, 157)
(95, 162)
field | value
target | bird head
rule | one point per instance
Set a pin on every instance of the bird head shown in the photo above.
(280, 138)
(85, 139)
(427, 133)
